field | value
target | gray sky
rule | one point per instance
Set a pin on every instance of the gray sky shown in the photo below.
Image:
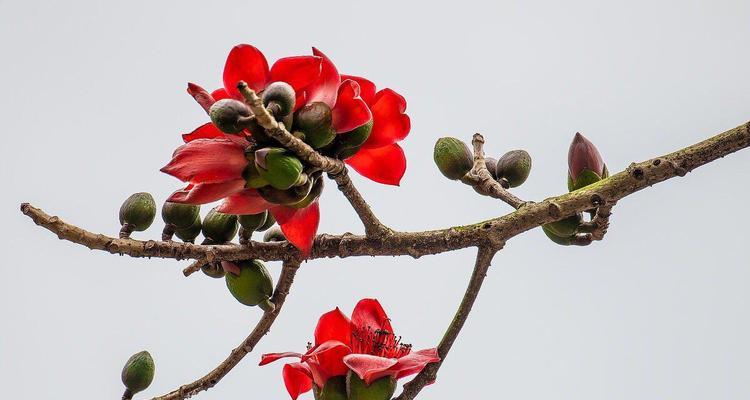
(95, 102)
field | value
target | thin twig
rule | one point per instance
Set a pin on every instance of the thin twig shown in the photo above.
(482, 264)
(373, 227)
(481, 179)
(416, 244)
(195, 266)
(261, 329)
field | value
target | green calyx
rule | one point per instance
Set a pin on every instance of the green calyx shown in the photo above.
(252, 222)
(138, 211)
(279, 168)
(563, 231)
(138, 372)
(228, 115)
(253, 286)
(316, 122)
(312, 195)
(190, 233)
(452, 157)
(274, 235)
(514, 167)
(180, 215)
(279, 98)
(251, 174)
(585, 178)
(334, 389)
(289, 196)
(381, 389)
(220, 227)
(270, 220)
(349, 143)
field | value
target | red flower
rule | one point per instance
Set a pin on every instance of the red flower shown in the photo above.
(582, 156)
(381, 158)
(365, 345)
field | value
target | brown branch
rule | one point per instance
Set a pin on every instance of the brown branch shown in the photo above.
(373, 227)
(482, 264)
(481, 179)
(416, 244)
(261, 329)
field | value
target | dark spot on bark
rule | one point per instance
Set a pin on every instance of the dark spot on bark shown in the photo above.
(487, 225)
(554, 210)
(597, 200)
(638, 174)
(657, 162)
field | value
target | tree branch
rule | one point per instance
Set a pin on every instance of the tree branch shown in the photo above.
(427, 375)
(416, 244)
(373, 227)
(286, 279)
(481, 179)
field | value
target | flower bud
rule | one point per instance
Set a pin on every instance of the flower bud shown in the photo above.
(219, 227)
(227, 114)
(253, 286)
(513, 167)
(380, 389)
(252, 222)
(250, 173)
(280, 169)
(452, 157)
(315, 191)
(334, 389)
(274, 235)
(180, 215)
(585, 164)
(138, 373)
(491, 165)
(213, 270)
(286, 197)
(316, 122)
(563, 231)
(279, 98)
(348, 143)
(189, 234)
(270, 221)
(137, 213)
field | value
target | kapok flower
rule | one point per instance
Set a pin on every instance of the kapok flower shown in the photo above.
(364, 345)
(585, 164)
(381, 158)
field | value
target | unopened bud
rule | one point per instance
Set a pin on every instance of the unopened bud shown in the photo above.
(316, 122)
(348, 143)
(138, 373)
(585, 164)
(189, 234)
(452, 157)
(270, 221)
(252, 222)
(513, 167)
(137, 213)
(228, 115)
(280, 169)
(274, 235)
(380, 389)
(219, 227)
(563, 231)
(279, 98)
(252, 286)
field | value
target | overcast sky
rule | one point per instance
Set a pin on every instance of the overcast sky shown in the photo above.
(95, 103)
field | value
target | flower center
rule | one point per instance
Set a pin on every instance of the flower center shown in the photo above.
(378, 342)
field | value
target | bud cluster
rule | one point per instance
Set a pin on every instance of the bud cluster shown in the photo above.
(454, 160)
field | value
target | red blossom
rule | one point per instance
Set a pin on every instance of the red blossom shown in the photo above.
(364, 344)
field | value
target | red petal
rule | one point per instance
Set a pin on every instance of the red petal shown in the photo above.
(327, 359)
(583, 155)
(369, 314)
(245, 63)
(297, 379)
(205, 131)
(245, 202)
(271, 357)
(219, 94)
(369, 367)
(207, 161)
(415, 362)
(326, 87)
(383, 165)
(201, 96)
(230, 267)
(333, 325)
(350, 110)
(299, 225)
(300, 72)
(203, 193)
(367, 88)
(390, 124)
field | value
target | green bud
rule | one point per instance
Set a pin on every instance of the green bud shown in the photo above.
(270, 220)
(563, 231)
(253, 286)
(252, 175)
(180, 215)
(585, 177)
(452, 157)
(279, 98)
(316, 121)
(292, 195)
(219, 227)
(274, 235)
(214, 270)
(137, 213)
(352, 141)
(228, 115)
(252, 222)
(513, 167)
(334, 389)
(381, 389)
(138, 372)
(315, 191)
(280, 169)
(190, 233)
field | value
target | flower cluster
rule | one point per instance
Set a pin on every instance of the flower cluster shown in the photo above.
(352, 356)
(232, 159)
